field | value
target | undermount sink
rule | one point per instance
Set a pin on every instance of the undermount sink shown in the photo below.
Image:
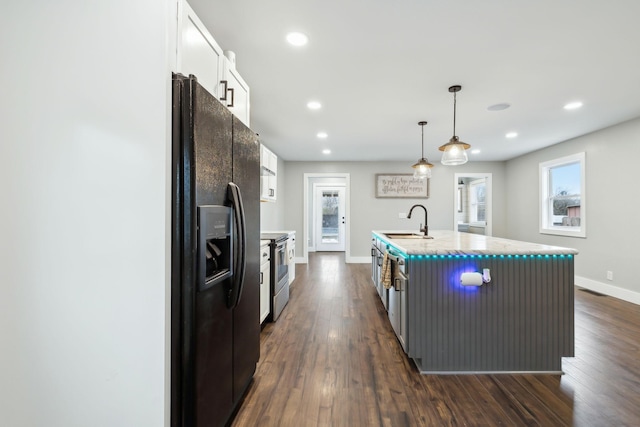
(406, 236)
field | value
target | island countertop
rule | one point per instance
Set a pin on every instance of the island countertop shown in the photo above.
(447, 242)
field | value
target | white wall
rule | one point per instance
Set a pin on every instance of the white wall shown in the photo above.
(612, 234)
(83, 160)
(369, 213)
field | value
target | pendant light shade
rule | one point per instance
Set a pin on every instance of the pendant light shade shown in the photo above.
(422, 169)
(454, 151)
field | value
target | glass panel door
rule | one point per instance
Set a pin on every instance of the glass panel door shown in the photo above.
(330, 220)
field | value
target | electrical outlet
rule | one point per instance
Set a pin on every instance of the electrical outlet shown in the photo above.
(402, 215)
(609, 275)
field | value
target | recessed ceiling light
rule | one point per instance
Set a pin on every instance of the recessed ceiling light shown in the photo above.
(476, 151)
(573, 105)
(326, 151)
(314, 105)
(499, 107)
(297, 39)
(322, 135)
(511, 134)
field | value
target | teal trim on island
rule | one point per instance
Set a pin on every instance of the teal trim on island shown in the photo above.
(502, 256)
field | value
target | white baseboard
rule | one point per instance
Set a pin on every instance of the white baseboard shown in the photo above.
(613, 291)
(348, 260)
(358, 260)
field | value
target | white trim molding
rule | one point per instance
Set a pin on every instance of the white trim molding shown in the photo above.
(545, 196)
(488, 177)
(305, 234)
(606, 289)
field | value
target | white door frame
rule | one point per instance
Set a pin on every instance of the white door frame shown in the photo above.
(488, 231)
(319, 186)
(305, 227)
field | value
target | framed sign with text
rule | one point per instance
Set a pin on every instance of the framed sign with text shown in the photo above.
(401, 185)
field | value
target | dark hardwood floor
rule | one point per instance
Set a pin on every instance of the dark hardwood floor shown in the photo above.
(332, 360)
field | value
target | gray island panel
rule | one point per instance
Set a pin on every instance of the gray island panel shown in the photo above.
(521, 321)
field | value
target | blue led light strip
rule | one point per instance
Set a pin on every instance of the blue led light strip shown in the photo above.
(502, 256)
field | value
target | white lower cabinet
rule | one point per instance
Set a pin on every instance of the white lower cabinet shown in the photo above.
(291, 253)
(265, 281)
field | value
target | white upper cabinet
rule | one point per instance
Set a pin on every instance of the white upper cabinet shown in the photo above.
(200, 55)
(269, 175)
(234, 91)
(198, 52)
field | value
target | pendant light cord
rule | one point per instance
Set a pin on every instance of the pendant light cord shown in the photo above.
(422, 126)
(454, 113)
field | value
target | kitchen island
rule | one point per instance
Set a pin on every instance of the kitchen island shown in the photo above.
(518, 318)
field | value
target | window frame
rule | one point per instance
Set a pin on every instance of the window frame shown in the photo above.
(544, 202)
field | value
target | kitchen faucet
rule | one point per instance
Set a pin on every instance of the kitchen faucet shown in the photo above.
(424, 229)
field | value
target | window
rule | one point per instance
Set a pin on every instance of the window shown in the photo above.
(562, 196)
(478, 201)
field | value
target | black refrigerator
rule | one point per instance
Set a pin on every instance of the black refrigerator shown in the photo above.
(215, 271)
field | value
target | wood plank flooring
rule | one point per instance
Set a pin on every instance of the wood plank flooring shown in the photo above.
(332, 359)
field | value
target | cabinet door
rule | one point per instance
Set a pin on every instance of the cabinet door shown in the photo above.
(404, 315)
(268, 172)
(264, 174)
(273, 178)
(291, 252)
(236, 97)
(198, 53)
(265, 283)
(393, 310)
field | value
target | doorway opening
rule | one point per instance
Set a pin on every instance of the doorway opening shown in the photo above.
(472, 203)
(326, 213)
(329, 217)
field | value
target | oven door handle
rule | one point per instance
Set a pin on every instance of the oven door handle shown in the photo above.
(239, 248)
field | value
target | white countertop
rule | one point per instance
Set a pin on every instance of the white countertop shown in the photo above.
(278, 231)
(447, 242)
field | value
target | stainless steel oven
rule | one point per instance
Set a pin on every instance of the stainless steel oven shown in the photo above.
(279, 272)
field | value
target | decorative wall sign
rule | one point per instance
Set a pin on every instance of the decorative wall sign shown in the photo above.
(401, 185)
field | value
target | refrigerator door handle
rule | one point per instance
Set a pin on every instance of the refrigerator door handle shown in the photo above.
(239, 258)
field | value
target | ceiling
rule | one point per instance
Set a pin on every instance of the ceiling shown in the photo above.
(379, 66)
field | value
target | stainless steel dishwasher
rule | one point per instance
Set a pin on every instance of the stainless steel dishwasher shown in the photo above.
(397, 308)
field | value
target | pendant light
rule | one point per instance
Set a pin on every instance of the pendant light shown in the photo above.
(422, 169)
(454, 151)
